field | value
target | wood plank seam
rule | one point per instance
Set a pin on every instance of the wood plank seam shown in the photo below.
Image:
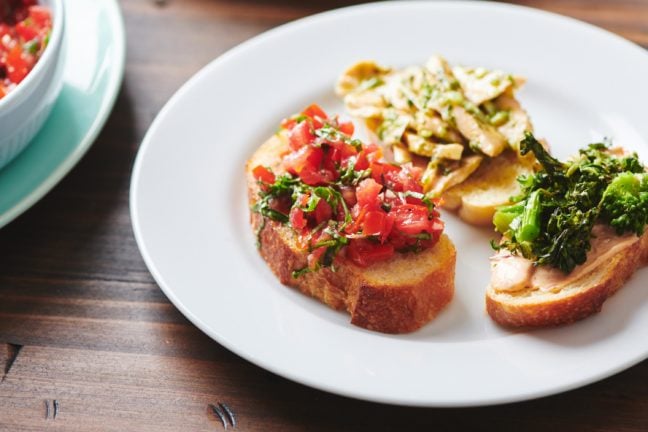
(12, 353)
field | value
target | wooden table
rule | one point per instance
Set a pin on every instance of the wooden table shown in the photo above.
(83, 323)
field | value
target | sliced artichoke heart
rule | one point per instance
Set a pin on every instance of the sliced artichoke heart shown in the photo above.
(423, 147)
(393, 127)
(358, 75)
(480, 84)
(365, 104)
(403, 89)
(401, 154)
(439, 67)
(518, 121)
(451, 151)
(419, 145)
(437, 180)
(483, 137)
(429, 124)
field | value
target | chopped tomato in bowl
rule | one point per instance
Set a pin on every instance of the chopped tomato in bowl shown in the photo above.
(342, 198)
(25, 30)
(31, 66)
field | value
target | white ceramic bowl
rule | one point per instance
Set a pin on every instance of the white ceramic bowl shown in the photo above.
(24, 109)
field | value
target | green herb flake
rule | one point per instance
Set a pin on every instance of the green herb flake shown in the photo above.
(32, 47)
(296, 274)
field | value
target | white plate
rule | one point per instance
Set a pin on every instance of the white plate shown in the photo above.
(190, 217)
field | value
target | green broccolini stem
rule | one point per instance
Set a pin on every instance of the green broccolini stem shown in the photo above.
(504, 216)
(551, 165)
(529, 228)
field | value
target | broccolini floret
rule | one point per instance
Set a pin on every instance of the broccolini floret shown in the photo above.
(624, 205)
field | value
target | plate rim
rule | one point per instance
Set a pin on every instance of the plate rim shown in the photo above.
(258, 361)
(108, 101)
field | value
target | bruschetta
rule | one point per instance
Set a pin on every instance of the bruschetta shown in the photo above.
(572, 238)
(337, 222)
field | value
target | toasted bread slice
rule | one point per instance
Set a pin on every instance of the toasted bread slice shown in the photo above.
(395, 296)
(582, 295)
(490, 186)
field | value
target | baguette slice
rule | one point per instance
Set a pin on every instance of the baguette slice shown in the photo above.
(395, 296)
(492, 185)
(582, 296)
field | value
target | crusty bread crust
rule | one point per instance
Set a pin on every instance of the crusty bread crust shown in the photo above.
(396, 296)
(580, 299)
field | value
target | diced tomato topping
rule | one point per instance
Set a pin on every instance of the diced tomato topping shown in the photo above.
(317, 114)
(369, 154)
(40, 16)
(346, 151)
(314, 110)
(364, 252)
(300, 135)
(346, 128)
(4, 30)
(377, 223)
(349, 195)
(263, 174)
(315, 257)
(411, 219)
(366, 207)
(367, 193)
(404, 178)
(437, 228)
(323, 212)
(310, 165)
(373, 151)
(384, 173)
(329, 163)
(306, 158)
(297, 219)
(362, 163)
(317, 177)
(26, 30)
(358, 213)
(17, 65)
(342, 152)
(289, 123)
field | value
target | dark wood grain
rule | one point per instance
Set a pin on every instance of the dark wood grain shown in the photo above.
(82, 322)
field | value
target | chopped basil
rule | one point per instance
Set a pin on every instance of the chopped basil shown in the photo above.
(300, 272)
(286, 186)
(329, 133)
(350, 177)
(32, 47)
(426, 200)
(259, 231)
